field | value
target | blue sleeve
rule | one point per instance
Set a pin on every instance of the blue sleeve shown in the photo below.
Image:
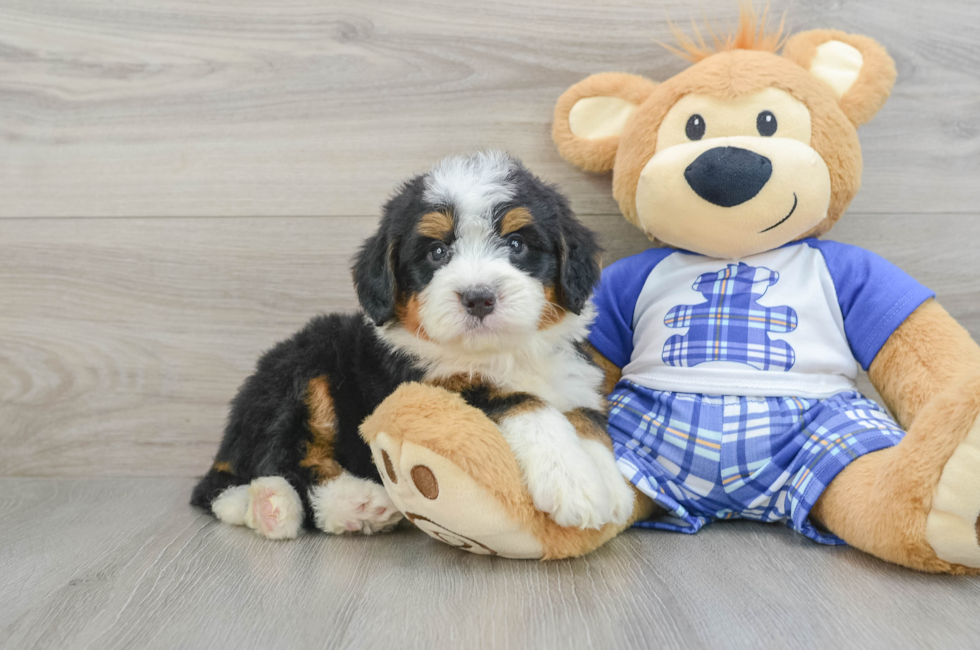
(875, 296)
(615, 301)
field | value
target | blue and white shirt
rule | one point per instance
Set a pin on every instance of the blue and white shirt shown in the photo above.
(794, 321)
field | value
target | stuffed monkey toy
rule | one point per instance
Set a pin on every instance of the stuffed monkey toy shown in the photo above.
(733, 344)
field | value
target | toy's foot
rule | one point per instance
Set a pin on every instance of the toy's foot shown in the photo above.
(348, 504)
(453, 508)
(449, 468)
(953, 524)
(274, 508)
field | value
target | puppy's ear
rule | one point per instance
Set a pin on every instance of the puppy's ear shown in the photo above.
(590, 116)
(856, 68)
(374, 277)
(578, 256)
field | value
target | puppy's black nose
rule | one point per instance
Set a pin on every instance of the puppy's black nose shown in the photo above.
(728, 176)
(479, 301)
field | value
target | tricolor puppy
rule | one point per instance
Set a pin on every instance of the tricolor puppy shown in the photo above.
(479, 280)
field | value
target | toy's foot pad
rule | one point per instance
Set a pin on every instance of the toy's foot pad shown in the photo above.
(953, 524)
(439, 497)
(348, 504)
(274, 508)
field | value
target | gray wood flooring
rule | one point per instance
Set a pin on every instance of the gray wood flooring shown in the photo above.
(124, 563)
(183, 183)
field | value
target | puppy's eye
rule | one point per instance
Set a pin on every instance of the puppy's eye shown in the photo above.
(438, 252)
(695, 127)
(516, 244)
(766, 123)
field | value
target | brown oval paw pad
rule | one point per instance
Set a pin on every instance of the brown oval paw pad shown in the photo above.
(425, 481)
(389, 468)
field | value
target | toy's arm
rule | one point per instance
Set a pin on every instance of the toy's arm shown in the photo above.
(928, 356)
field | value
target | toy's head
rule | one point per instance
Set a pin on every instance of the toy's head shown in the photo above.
(744, 151)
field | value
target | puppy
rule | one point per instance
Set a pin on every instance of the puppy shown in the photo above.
(479, 280)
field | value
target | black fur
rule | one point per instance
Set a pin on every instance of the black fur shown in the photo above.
(385, 262)
(558, 243)
(496, 405)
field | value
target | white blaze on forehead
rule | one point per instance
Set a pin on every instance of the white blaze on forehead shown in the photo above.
(472, 186)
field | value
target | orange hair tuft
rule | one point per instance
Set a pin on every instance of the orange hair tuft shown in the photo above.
(750, 35)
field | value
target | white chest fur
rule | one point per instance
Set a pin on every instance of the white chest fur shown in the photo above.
(548, 366)
(564, 379)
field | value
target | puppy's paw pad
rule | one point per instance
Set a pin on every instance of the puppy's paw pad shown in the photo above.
(349, 505)
(274, 508)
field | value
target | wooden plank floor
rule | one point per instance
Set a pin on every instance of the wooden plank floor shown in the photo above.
(124, 563)
(183, 183)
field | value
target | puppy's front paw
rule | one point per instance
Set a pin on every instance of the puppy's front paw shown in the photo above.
(620, 492)
(568, 486)
(348, 504)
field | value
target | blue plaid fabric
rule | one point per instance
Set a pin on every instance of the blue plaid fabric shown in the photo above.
(731, 325)
(765, 458)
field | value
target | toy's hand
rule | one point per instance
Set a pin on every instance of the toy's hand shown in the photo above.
(577, 485)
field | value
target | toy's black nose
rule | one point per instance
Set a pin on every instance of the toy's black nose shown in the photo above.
(728, 176)
(479, 301)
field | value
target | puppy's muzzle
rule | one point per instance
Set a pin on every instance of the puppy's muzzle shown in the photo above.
(479, 301)
(728, 176)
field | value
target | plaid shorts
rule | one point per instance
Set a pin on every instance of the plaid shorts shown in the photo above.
(764, 458)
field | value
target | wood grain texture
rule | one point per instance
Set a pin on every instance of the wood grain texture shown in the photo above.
(124, 339)
(251, 108)
(141, 568)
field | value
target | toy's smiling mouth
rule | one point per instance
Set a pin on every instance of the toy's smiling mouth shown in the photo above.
(791, 211)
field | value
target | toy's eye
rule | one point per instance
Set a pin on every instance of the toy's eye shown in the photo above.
(438, 252)
(516, 244)
(695, 127)
(766, 123)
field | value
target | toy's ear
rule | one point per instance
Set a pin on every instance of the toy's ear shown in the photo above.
(857, 68)
(590, 116)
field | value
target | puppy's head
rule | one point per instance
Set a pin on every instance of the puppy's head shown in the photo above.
(478, 253)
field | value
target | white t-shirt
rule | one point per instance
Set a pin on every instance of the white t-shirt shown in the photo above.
(794, 321)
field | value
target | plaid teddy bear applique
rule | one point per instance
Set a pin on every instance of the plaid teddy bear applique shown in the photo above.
(731, 325)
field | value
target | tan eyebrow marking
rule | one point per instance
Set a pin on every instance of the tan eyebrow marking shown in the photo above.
(437, 225)
(514, 220)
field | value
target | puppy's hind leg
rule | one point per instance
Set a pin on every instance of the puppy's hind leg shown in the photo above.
(273, 507)
(223, 494)
(347, 504)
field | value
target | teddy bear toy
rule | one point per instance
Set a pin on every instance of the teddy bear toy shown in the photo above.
(734, 343)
